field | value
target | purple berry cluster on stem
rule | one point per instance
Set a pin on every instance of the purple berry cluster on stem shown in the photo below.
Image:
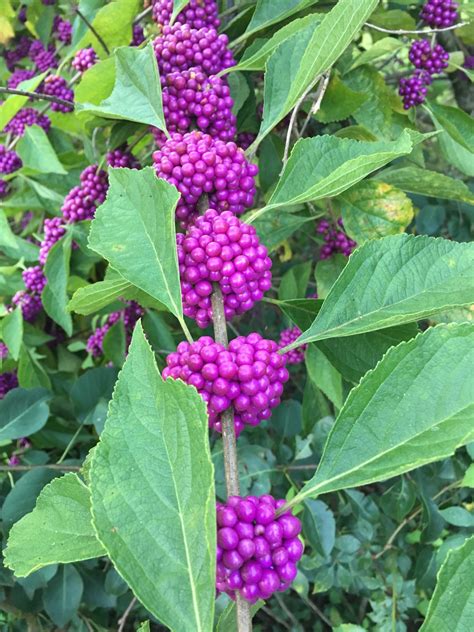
(197, 14)
(19, 75)
(56, 86)
(53, 230)
(8, 381)
(3, 350)
(81, 201)
(219, 248)
(27, 117)
(10, 161)
(138, 36)
(62, 29)
(249, 375)
(257, 550)
(43, 58)
(84, 59)
(121, 158)
(199, 165)
(336, 240)
(30, 304)
(439, 13)
(34, 279)
(288, 337)
(424, 57)
(131, 313)
(16, 52)
(181, 47)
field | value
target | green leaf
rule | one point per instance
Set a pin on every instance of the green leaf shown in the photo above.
(319, 526)
(13, 246)
(54, 296)
(30, 371)
(457, 123)
(138, 198)
(153, 466)
(274, 228)
(58, 530)
(355, 355)
(458, 516)
(92, 298)
(256, 55)
(324, 375)
(405, 413)
(36, 152)
(327, 272)
(114, 344)
(371, 210)
(294, 282)
(452, 604)
(468, 480)
(426, 182)
(23, 412)
(392, 281)
(15, 102)
(91, 394)
(62, 597)
(301, 310)
(268, 12)
(96, 83)
(339, 101)
(378, 50)
(324, 166)
(297, 62)
(12, 332)
(114, 24)
(136, 95)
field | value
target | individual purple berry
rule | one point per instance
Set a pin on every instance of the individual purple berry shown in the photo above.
(18, 76)
(199, 165)
(264, 561)
(84, 59)
(249, 376)
(181, 47)
(13, 460)
(62, 29)
(121, 158)
(413, 89)
(30, 304)
(8, 381)
(10, 161)
(27, 117)
(56, 86)
(197, 13)
(192, 100)
(423, 57)
(22, 13)
(287, 337)
(81, 201)
(54, 229)
(219, 248)
(34, 279)
(138, 36)
(336, 241)
(439, 13)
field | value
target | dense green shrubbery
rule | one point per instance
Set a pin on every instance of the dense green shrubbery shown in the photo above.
(372, 444)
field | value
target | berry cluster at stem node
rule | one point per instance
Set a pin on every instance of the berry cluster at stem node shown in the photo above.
(81, 201)
(219, 248)
(27, 117)
(439, 13)
(30, 304)
(336, 240)
(56, 86)
(199, 165)
(10, 161)
(288, 337)
(8, 381)
(424, 57)
(84, 59)
(34, 279)
(257, 550)
(53, 230)
(197, 13)
(249, 376)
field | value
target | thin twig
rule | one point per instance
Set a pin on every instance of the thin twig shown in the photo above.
(123, 619)
(49, 466)
(319, 612)
(293, 118)
(143, 14)
(37, 95)
(93, 30)
(231, 465)
(323, 84)
(416, 31)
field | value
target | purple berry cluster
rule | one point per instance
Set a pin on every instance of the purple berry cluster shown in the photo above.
(53, 230)
(245, 139)
(257, 549)
(84, 59)
(8, 381)
(30, 304)
(121, 158)
(3, 350)
(19, 75)
(199, 165)
(181, 47)
(219, 248)
(288, 337)
(197, 14)
(192, 99)
(10, 161)
(439, 13)
(433, 60)
(25, 118)
(43, 58)
(56, 86)
(62, 29)
(336, 240)
(138, 36)
(15, 53)
(249, 376)
(414, 89)
(130, 315)
(81, 201)
(34, 279)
